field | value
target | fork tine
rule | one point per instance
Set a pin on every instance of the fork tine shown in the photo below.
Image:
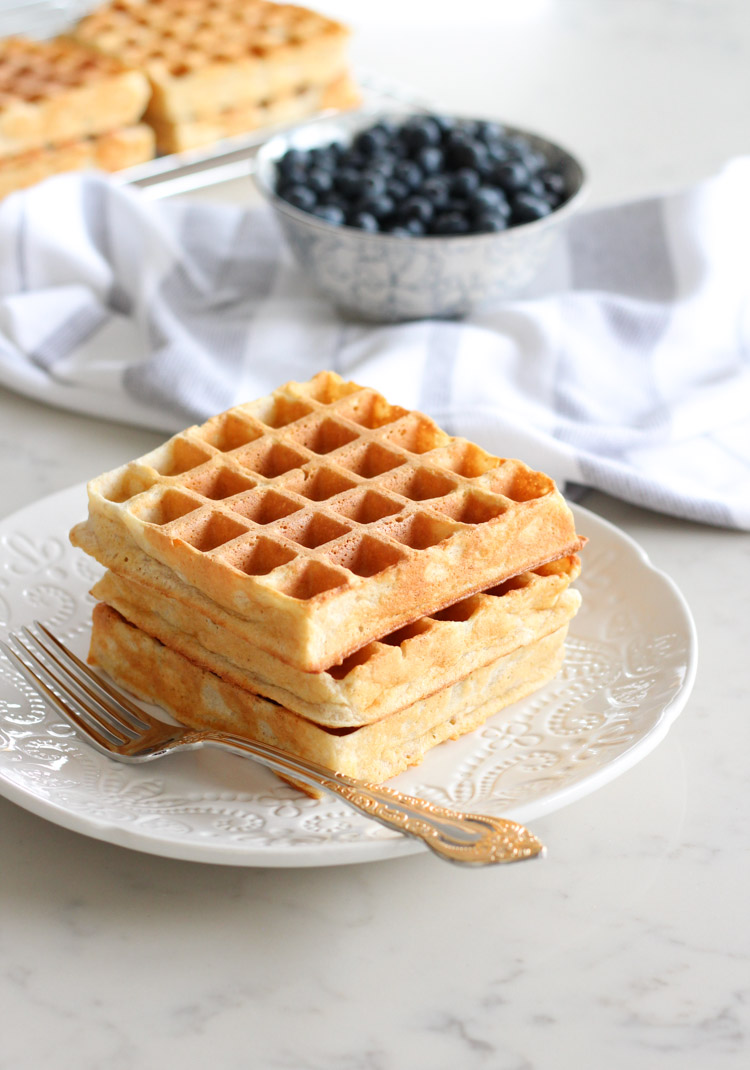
(127, 714)
(71, 715)
(97, 713)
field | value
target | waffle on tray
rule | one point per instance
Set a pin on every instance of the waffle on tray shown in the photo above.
(60, 91)
(64, 107)
(332, 573)
(222, 67)
(174, 136)
(112, 151)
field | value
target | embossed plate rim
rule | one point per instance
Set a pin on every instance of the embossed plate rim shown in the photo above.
(50, 518)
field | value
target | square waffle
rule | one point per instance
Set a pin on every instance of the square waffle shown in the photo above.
(60, 91)
(182, 135)
(373, 752)
(381, 678)
(106, 152)
(326, 517)
(207, 57)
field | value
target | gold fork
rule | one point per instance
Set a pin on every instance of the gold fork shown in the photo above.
(119, 728)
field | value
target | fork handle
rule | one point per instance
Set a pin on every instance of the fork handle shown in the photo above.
(473, 839)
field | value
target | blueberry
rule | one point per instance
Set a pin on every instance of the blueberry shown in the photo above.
(354, 159)
(524, 150)
(292, 160)
(466, 152)
(470, 127)
(465, 181)
(399, 191)
(420, 133)
(457, 204)
(371, 184)
(301, 197)
(384, 164)
(295, 175)
(430, 160)
(497, 152)
(527, 208)
(455, 143)
(450, 223)
(331, 213)
(419, 208)
(320, 180)
(364, 221)
(436, 189)
(337, 199)
(536, 187)
(511, 176)
(489, 222)
(533, 160)
(554, 183)
(489, 199)
(398, 148)
(408, 172)
(381, 207)
(488, 131)
(325, 157)
(445, 124)
(415, 227)
(370, 141)
(347, 180)
(518, 145)
(388, 127)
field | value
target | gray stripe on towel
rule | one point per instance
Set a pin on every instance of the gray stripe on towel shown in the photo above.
(68, 336)
(209, 298)
(623, 250)
(95, 208)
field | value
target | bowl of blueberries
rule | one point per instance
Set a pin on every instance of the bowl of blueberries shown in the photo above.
(402, 217)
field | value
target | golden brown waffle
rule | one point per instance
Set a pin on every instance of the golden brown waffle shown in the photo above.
(383, 677)
(374, 752)
(327, 517)
(60, 91)
(107, 152)
(176, 136)
(208, 56)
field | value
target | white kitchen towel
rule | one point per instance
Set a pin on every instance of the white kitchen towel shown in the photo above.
(626, 367)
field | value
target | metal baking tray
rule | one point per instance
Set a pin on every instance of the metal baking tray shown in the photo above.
(167, 176)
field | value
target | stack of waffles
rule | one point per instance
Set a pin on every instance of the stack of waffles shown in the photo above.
(63, 107)
(332, 574)
(223, 67)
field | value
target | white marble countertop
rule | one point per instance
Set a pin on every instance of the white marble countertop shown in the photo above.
(629, 945)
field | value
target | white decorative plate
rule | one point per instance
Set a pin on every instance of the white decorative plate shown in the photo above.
(629, 670)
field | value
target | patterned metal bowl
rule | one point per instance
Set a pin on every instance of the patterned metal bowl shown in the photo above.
(383, 278)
